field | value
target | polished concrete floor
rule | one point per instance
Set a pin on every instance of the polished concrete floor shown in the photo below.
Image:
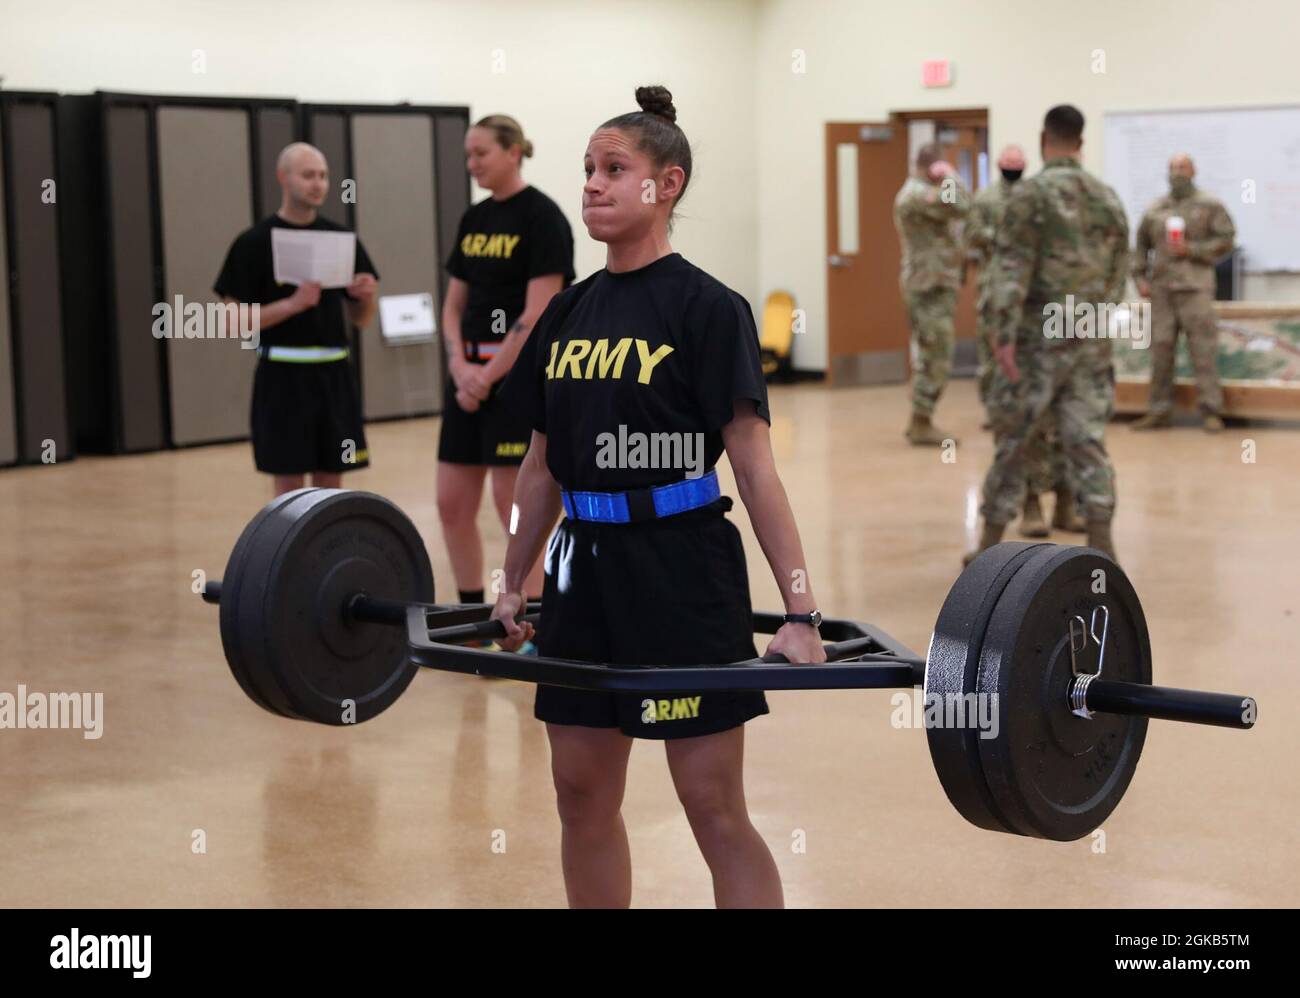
(194, 796)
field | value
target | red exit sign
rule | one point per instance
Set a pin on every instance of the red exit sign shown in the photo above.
(936, 73)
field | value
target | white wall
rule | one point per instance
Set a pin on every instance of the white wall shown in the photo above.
(755, 214)
(1015, 57)
(568, 66)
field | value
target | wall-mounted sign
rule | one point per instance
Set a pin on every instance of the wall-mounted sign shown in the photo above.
(936, 73)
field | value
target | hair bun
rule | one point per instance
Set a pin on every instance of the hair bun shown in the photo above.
(656, 100)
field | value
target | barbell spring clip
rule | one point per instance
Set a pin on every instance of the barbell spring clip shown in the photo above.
(1082, 680)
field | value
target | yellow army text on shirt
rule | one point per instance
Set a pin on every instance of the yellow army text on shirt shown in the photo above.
(497, 244)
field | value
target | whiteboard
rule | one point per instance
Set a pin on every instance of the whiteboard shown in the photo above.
(1233, 150)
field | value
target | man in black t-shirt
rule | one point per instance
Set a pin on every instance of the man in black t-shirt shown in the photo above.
(306, 413)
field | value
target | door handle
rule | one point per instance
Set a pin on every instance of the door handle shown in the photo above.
(835, 260)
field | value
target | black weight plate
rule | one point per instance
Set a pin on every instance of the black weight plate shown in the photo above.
(231, 584)
(1053, 774)
(951, 672)
(255, 627)
(339, 543)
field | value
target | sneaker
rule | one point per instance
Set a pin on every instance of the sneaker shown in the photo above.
(1213, 424)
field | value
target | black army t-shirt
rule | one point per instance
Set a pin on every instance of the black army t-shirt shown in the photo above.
(249, 276)
(500, 247)
(662, 349)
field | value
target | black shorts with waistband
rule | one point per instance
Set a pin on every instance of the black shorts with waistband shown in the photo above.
(492, 434)
(673, 591)
(307, 417)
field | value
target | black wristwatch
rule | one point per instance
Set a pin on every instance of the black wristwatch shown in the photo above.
(814, 618)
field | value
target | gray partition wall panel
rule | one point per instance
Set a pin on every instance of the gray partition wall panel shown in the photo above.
(38, 327)
(8, 416)
(453, 186)
(206, 194)
(328, 134)
(397, 220)
(274, 132)
(131, 253)
(87, 337)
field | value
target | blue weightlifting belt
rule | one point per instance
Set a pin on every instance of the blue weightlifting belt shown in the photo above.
(637, 505)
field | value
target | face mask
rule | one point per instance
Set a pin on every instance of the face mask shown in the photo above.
(1180, 186)
(1011, 176)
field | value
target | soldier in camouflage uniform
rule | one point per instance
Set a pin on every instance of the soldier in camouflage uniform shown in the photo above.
(981, 233)
(927, 211)
(1063, 233)
(1043, 459)
(1178, 277)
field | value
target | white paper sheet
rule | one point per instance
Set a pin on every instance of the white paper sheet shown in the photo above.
(301, 255)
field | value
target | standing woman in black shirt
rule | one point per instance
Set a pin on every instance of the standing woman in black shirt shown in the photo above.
(634, 382)
(513, 252)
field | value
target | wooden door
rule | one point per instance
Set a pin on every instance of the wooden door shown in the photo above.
(867, 332)
(962, 146)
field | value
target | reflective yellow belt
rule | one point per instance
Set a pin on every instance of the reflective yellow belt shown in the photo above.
(305, 355)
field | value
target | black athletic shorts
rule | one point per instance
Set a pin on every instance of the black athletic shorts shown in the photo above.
(491, 434)
(664, 592)
(307, 417)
